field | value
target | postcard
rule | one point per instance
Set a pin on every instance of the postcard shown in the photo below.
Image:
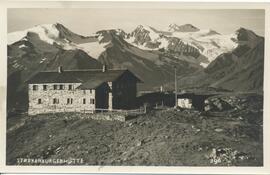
(160, 87)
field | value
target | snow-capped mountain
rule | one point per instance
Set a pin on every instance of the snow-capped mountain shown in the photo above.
(241, 69)
(203, 45)
(47, 33)
(182, 28)
(45, 46)
(59, 35)
(208, 43)
(148, 52)
(201, 57)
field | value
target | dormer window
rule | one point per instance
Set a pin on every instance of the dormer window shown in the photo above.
(70, 87)
(61, 87)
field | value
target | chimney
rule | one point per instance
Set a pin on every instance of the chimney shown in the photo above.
(60, 69)
(104, 68)
(161, 88)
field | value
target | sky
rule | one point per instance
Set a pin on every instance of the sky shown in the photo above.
(87, 21)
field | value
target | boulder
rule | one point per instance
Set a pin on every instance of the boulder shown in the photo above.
(216, 104)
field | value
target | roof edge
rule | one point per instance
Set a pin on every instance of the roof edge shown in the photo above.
(74, 70)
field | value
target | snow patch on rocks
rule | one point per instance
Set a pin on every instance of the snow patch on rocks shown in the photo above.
(46, 32)
(94, 49)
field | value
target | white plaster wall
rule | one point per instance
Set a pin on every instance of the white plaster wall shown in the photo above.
(48, 95)
(184, 103)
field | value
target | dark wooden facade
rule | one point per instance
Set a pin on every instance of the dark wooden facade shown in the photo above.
(123, 91)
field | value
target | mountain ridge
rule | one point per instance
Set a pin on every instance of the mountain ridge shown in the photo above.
(210, 43)
(199, 56)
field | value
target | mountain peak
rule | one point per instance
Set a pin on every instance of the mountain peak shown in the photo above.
(173, 25)
(46, 32)
(49, 33)
(59, 26)
(182, 28)
(212, 32)
(244, 34)
(242, 30)
(143, 27)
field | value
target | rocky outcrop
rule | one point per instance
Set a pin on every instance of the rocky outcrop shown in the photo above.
(182, 28)
(231, 102)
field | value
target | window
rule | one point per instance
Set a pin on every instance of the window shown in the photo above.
(90, 91)
(92, 101)
(55, 101)
(35, 87)
(55, 87)
(44, 87)
(39, 101)
(61, 87)
(84, 91)
(69, 100)
(70, 87)
(84, 101)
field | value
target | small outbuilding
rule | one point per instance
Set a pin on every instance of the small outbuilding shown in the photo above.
(192, 100)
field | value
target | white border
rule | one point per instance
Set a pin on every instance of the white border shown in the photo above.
(130, 169)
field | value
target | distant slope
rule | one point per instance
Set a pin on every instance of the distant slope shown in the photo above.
(239, 70)
(31, 55)
(154, 67)
(245, 73)
(185, 39)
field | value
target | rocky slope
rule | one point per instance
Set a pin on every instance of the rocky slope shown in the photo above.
(185, 39)
(166, 137)
(153, 67)
(38, 48)
(242, 69)
(239, 70)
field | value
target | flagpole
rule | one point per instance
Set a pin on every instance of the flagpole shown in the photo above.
(175, 83)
